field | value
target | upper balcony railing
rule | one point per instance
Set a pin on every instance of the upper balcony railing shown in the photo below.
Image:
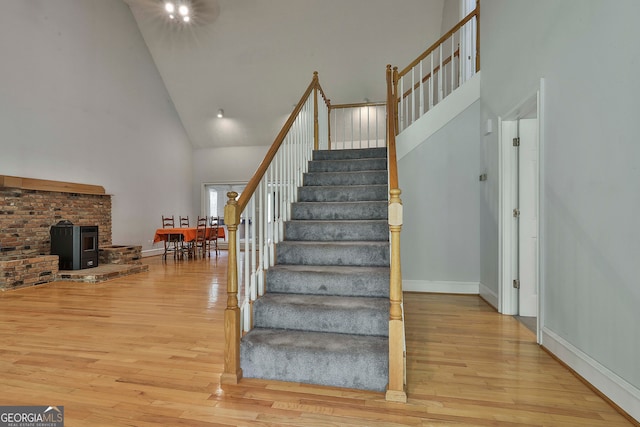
(446, 65)
(358, 125)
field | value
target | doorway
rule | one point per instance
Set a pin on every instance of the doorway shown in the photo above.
(519, 291)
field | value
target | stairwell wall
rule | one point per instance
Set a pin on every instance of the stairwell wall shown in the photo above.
(440, 244)
(589, 239)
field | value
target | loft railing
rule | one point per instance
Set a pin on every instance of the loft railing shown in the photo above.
(261, 211)
(357, 125)
(438, 71)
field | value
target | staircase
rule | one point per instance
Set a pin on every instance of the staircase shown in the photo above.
(324, 318)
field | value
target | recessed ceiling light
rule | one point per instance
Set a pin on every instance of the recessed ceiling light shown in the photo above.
(184, 10)
(186, 19)
(220, 113)
(169, 7)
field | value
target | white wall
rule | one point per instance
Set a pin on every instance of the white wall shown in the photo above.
(81, 101)
(590, 198)
(450, 15)
(440, 235)
(224, 165)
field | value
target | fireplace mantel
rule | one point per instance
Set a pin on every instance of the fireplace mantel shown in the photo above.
(47, 185)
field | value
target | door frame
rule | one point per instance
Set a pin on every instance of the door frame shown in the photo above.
(508, 129)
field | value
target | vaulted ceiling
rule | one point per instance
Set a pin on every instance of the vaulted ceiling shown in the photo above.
(255, 58)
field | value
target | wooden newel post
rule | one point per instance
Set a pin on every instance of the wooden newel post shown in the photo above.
(316, 129)
(232, 371)
(396, 99)
(395, 389)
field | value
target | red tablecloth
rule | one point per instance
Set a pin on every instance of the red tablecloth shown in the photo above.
(188, 234)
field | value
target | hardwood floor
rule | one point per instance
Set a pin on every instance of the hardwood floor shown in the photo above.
(146, 350)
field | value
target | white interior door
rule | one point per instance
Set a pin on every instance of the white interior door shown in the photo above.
(528, 217)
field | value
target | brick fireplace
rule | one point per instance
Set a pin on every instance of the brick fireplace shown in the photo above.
(28, 209)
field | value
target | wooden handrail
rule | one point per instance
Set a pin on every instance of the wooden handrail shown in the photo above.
(362, 104)
(247, 193)
(448, 34)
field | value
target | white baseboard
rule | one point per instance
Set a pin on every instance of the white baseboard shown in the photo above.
(488, 295)
(440, 287)
(623, 394)
(152, 252)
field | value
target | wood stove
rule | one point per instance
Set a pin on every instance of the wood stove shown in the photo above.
(75, 245)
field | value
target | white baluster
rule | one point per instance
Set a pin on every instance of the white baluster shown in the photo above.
(431, 83)
(420, 87)
(412, 95)
(368, 126)
(401, 106)
(453, 68)
(440, 74)
(461, 55)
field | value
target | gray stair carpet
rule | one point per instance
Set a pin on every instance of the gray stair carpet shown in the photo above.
(324, 317)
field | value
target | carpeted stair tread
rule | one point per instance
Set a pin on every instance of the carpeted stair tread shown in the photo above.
(345, 178)
(343, 193)
(350, 165)
(328, 280)
(338, 360)
(356, 153)
(340, 210)
(354, 230)
(368, 254)
(323, 313)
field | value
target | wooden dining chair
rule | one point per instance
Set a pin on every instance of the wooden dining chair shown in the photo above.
(168, 222)
(214, 224)
(200, 244)
(184, 221)
(173, 243)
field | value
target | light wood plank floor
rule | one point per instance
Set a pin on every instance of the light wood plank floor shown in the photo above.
(146, 350)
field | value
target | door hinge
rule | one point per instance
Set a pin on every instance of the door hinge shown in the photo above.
(516, 283)
(516, 142)
(516, 213)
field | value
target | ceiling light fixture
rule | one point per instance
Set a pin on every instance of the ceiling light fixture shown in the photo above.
(220, 113)
(182, 7)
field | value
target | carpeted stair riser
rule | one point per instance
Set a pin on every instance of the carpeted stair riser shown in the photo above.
(345, 178)
(369, 254)
(347, 165)
(344, 193)
(354, 154)
(339, 360)
(339, 210)
(371, 230)
(329, 280)
(343, 315)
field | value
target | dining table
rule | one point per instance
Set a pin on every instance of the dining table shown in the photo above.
(188, 233)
